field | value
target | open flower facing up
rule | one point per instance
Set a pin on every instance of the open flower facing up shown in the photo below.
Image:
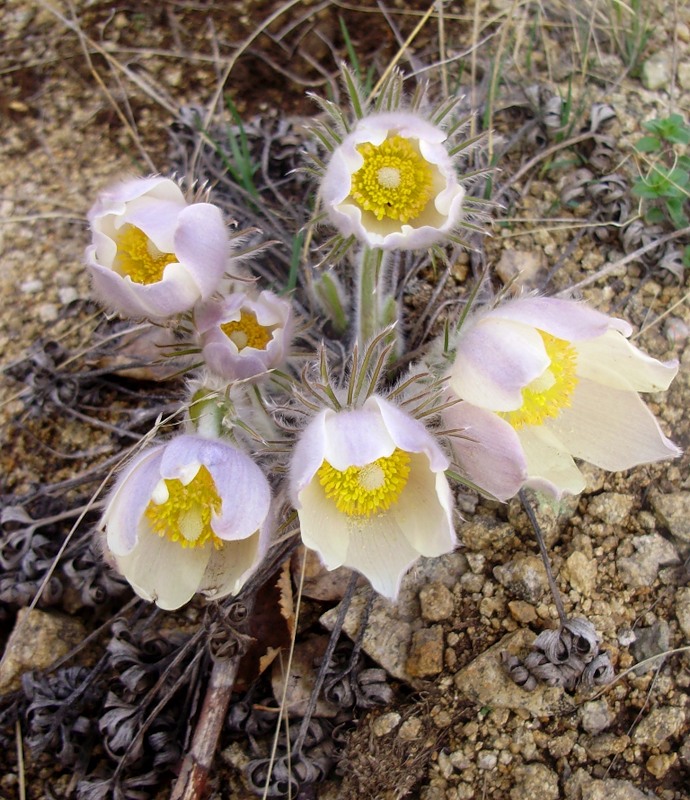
(242, 337)
(188, 516)
(370, 491)
(561, 381)
(392, 184)
(153, 254)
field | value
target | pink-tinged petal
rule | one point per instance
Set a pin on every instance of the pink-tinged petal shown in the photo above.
(202, 244)
(235, 476)
(488, 450)
(550, 466)
(161, 571)
(115, 199)
(610, 428)
(379, 549)
(229, 568)
(612, 361)
(156, 218)
(495, 360)
(408, 433)
(564, 319)
(424, 511)
(129, 499)
(356, 438)
(307, 456)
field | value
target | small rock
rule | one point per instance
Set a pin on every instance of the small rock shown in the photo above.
(613, 789)
(524, 577)
(487, 759)
(426, 652)
(660, 764)
(459, 760)
(561, 746)
(596, 716)
(436, 602)
(38, 639)
(386, 723)
(641, 569)
(520, 267)
(47, 312)
(522, 612)
(307, 655)
(683, 610)
(683, 72)
(535, 782)
(650, 642)
(659, 725)
(581, 573)
(611, 507)
(684, 753)
(32, 286)
(67, 295)
(605, 745)
(485, 682)
(656, 72)
(673, 512)
(410, 729)
(485, 533)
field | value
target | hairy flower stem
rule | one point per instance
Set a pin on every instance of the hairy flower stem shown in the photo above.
(193, 777)
(529, 510)
(371, 268)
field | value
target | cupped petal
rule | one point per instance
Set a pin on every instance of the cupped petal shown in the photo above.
(155, 217)
(564, 319)
(494, 361)
(307, 456)
(610, 428)
(408, 433)
(322, 527)
(550, 467)
(240, 483)
(612, 361)
(202, 244)
(126, 504)
(114, 199)
(424, 510)
(229, 568)
(161, 571)
(356, 438)
(487, 449)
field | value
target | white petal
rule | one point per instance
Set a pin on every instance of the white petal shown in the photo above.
(356, 438)
(495, 360)
(202, 244)
(610, 428)
(488, 451)
(229, 567)
(323, 528)
(565, 319)
(611, 360)
(307, 456)
(550, 468)
(163, 571)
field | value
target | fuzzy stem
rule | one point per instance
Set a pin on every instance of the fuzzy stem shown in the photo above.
(369, 271)
(193, 777)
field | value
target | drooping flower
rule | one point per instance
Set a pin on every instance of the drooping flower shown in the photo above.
(153, 254)
(392, 184)
(188, 516)
(242, 337)
(369, 487)
(561, 380)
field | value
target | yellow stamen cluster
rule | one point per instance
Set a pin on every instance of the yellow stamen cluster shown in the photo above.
(551, 392)
(185, 517)
(395, 180)
(246, 331)
(139, 258)
(367, 490)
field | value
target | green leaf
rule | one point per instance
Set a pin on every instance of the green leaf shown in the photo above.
(648, 144)
(674, 206)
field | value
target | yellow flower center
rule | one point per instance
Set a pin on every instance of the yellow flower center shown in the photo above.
(367, 490)
(246, 331)
(547, 395)
(185, 515)
(395, 180)
(139, 258)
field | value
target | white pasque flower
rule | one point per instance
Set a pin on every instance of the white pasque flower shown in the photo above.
(392, 184)
(242, 337)
(562, 381)
(370, 491)
(153, 254)
(189, 516)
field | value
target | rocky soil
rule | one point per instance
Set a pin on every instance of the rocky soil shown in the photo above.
(88, 92)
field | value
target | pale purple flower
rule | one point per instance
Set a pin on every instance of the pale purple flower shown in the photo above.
(556, 380)
(242, 337)
(392, 184)
(370, 491)
(153, 254)
(189, 516)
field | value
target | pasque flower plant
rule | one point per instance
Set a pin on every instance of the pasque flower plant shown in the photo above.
(561, 381)
(189, 516)
(153, 254)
